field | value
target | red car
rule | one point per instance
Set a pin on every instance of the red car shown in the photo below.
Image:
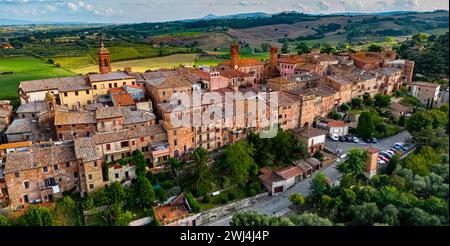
(383, 158)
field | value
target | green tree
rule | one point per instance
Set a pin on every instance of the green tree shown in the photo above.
(418, 217)
(283, 144)
(368, 100)
(310, 219)
(355, 163)
(174, 163)
(374, 48)
(297, 199)
(123, 219)
(252, 218)
(145, 192)
(115, 193)
(389, 215)
(139, 160)
(382, 100)
(202, 176)
(345, 107)
(366, 126)
(319, 186)
(37, 216)
(303, 48)
(365, 214)
(402, 120)
(265, 47)
(239, 161)
(319, 155)
(4, 221)
(285, 47)
(356, 102)
(193, 203)
(392, 164)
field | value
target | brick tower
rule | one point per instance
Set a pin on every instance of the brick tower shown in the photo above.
(51, 103)
(371, 163)
(234, 52)
(104, 59)
(273, 56)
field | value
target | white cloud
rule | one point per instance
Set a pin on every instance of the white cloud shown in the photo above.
(51, 8)
(251, 2)
(303, 8)
(407, 4)
(72, 6)
(323, 5)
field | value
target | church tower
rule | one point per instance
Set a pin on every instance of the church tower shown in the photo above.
(274, 56)
(50, 100)
(104, 59)
(234, 52)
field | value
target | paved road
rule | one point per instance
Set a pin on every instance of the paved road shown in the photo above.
(383, 144)
(279, 205)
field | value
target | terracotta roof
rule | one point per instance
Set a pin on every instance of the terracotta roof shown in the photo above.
(372, 150)
(366, 57)
(166, 79)
(16, 145)
(116, 90)
(133, 86)
(126, 134)
(62, 84)
(291, 59)
(289, 172)
(21, 126)
(233, 73)
(73, 118)
(285, 99)
(86, 150)
(426, 84)
(120, 75)
(270, 177)
(303, 165)
(244, 62)
(39, 157)
(123, 99)
(108, 112)
(308, 132)
(312, 161)
(336, 123)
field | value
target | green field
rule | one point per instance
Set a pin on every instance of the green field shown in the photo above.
(24, 68)
(74, 61)
(141, 65)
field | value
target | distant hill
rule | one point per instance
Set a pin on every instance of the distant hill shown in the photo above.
(10, 22)
(6, 22)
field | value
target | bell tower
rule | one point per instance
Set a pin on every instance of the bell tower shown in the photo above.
(50, 100)
(234, 52)
(104, 59)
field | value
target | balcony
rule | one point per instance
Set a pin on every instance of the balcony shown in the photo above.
(159, 149)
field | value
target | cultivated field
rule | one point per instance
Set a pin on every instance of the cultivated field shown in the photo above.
(141, 65)
(203, 40)
(14, 70)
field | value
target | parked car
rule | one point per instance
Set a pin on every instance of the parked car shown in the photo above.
(392, 153)
(334, 137)
(381, 157)
(348, 139)
(396, 151)
(385, 154)
(401, 146)
(367, 140)
(381, 162)
(374, 140)
(355, 140)
(341, 139)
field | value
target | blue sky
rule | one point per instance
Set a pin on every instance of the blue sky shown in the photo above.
(122, 11)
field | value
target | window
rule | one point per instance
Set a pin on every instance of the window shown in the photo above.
(17, 175)
(124, 144)
(116, 175)
(95, 87)
(175, 142)
(115, 84)
(145, 149)
(133, 142)
(152, 137)
(95, 164)
(124, 83)
(75, 174)
(45, 169)
(68, 164)
(110, 85)
(163, 93)
(87, 92)
(55, 167)
(90, 176)
(91, 186)
(142, 139)
(50, 182)
(25, 198)
(76, 93)
(174, 132)
(26, 184)
(108, 146)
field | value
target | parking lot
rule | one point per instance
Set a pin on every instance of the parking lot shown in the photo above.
(383, 144)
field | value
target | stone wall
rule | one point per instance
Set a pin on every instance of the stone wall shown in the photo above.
(219, 212)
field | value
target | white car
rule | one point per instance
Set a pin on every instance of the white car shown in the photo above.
(381, 162)
(334, 137)
(355, 140)
(390, 152)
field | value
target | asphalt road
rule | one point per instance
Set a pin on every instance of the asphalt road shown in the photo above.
(383, 144)
(279, 205)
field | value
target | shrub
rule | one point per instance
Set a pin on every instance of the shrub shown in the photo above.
(193, 203)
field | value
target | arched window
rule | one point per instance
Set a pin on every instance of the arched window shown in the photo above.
(105, 62)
